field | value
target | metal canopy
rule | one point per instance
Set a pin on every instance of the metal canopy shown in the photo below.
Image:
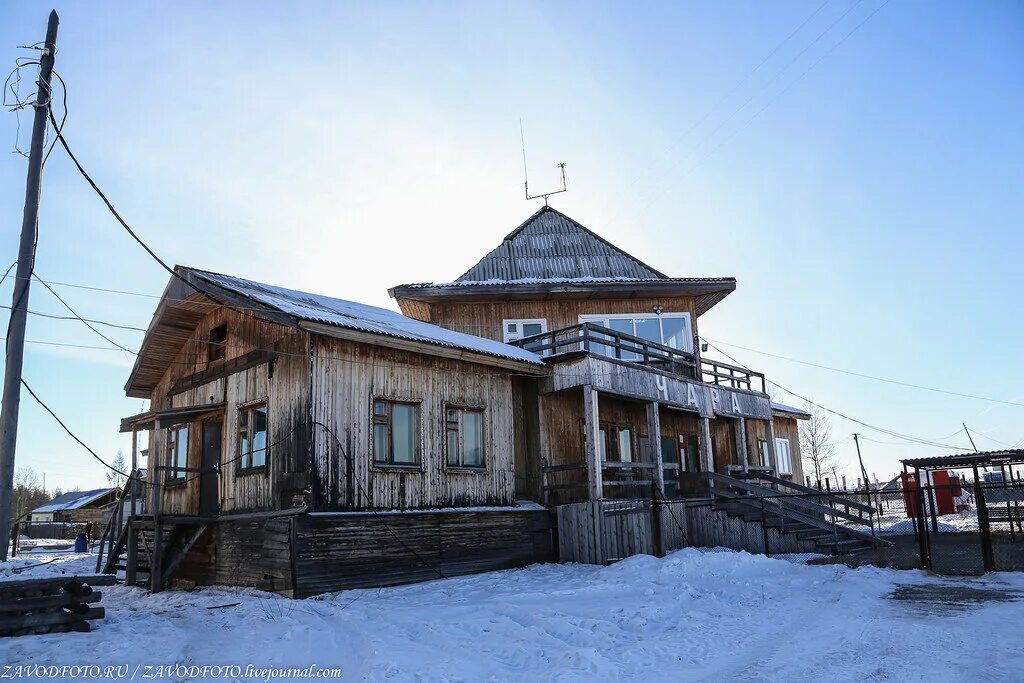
(983, 459)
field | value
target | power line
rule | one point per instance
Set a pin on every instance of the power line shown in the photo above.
(890, 432)
(873, 377)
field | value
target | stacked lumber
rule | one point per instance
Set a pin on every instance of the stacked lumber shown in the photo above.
(51, 605)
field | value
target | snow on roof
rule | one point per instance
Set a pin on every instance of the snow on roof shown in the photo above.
(783, 408)
(356, 316)
(72, 500)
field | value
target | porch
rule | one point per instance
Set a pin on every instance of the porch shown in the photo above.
(608, 391)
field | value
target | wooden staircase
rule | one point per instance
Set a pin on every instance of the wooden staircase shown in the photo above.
(810, 515)
(149, 553)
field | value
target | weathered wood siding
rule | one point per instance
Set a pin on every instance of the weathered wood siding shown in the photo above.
(360, 550)
(249, 553)
(347, 376)
(284, 383)
(711, 528)
(602, 532)
(484, 319)
(756, 430)
(723, 444)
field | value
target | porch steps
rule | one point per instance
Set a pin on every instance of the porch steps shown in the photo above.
(176, 546)
(828, 537)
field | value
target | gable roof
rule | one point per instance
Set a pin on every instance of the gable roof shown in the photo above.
(550, 245)
(178, 312)
(72, 500)
(550, 254)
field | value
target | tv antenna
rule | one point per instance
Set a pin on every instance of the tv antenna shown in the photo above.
(526, 177)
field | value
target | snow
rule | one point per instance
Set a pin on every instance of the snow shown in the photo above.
(695, 615)
(894, 525)
(356, 316)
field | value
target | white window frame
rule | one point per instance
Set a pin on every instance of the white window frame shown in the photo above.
(514, 336)
(685, 315)
(783, 456)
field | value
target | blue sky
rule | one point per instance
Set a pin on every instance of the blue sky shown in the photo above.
(862, 182)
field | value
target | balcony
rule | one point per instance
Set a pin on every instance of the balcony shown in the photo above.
(569, 343)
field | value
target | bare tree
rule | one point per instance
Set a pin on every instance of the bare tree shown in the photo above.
(116, 479)
(28, 492)
(816, 445)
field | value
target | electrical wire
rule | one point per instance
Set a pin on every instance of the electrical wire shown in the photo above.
(890, 432)
(873, 377)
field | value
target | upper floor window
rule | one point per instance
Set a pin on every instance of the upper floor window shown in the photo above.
(217, 343)
(513, 330)
(669, 329)
(177, 451)
(783, 456)
(464, 437)
(396, 433)
(252, 436)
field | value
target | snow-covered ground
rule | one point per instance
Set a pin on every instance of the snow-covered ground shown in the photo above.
(891, 525)
(694, 615)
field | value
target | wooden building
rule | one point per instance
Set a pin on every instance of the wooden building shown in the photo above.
(302, 443)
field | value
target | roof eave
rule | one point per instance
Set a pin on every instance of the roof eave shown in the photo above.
(714, 290)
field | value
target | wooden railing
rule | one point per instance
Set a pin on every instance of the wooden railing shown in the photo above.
(733, 376)
(594, 338)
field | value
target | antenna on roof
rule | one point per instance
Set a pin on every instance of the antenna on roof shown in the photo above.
(526, 177)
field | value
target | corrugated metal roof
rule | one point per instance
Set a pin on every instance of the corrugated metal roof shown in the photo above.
(983, 458)
(562, 281)
(356, 316)
(783, 408)
(552, 245)
(72, 500)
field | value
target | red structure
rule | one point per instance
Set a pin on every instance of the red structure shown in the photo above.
(945, 489)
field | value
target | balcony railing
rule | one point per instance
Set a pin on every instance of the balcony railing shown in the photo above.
(594, 338)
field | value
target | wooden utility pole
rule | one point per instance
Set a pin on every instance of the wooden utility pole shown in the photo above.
(19, 307)
(863, 470)
(969, 436)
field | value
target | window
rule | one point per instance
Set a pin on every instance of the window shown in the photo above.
(218, 341)
(464, 442)
(396, 439)
(513, 330)
(783, 456)
(252, 436)
(764, 457)
(670, 329)
(691, 452)
(177, 451)
(615, 443)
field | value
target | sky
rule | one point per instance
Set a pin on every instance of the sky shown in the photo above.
(855, 164)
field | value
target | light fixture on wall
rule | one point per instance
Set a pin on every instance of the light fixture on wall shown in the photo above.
(704, 347)
(658, 309)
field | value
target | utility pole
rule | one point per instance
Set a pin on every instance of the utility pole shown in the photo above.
(864, 472)
(969, 436)
(19, 307)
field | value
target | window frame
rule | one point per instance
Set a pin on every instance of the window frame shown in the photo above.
(248, 409)
(603, 318)
(216, 350)
(764, 453)
(387, 421)
(610, 435)
(783, 455)
(176, 471)
(457, 426)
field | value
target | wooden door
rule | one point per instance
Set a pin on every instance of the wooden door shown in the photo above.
(209, 490)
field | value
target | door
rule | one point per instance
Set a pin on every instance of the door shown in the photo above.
(209, 494)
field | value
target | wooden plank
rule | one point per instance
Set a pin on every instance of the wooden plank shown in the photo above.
(592, 451)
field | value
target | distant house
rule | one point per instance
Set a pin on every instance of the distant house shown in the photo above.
(303, 443)
(69, 507)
